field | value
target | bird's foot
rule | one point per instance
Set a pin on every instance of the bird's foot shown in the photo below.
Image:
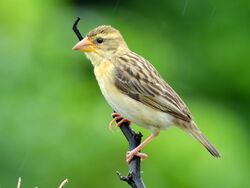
(130, 155)
(119, 118)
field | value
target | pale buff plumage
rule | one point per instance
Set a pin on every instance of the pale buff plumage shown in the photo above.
(133, 87)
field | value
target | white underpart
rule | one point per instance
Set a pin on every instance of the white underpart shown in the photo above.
(133, 110)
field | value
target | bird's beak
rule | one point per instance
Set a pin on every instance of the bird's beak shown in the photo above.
(85, 45)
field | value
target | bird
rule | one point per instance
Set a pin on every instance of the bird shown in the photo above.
(135, 90)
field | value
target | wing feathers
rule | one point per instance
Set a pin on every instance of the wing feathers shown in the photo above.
(137, 78)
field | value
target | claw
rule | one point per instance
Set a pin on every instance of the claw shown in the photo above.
(143, 156)
(123, 121)
(117, 117)
(135, 152)
(130, 155)
(113, 121)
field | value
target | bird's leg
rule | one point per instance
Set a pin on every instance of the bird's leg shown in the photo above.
(117, 117)
(136, 151)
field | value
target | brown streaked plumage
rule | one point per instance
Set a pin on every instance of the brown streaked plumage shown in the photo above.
(143, 83)
(134, 88)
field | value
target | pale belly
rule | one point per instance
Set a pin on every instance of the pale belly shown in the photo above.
(131, 109)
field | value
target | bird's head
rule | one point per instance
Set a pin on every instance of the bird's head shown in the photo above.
(103, 42)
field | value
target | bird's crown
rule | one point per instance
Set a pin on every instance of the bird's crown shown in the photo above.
(103, 29)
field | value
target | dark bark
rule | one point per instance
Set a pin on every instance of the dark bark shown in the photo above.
(75, 29)
(134, 176)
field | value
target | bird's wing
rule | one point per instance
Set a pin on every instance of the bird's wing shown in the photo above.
(137, 78)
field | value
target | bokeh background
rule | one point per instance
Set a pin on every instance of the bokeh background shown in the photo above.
(54, 120)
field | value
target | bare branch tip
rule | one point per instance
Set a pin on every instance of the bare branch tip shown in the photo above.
(75, 29)
(19, 182)
(123, 178)
(64, 182)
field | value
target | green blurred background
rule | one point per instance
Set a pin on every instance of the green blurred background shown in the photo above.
(54, 120)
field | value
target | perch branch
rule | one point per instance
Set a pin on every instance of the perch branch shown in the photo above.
(134, 176)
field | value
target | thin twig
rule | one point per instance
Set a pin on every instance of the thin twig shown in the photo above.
(19, 182)
(75, 29)
(63, 183)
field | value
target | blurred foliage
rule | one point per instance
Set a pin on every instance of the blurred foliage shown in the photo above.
(53, 119)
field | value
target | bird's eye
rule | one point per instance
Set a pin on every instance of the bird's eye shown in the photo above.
(99, 40)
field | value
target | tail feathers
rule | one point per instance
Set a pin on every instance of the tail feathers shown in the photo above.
(196, 133)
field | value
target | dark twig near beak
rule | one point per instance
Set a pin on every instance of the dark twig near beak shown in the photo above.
(75, 29)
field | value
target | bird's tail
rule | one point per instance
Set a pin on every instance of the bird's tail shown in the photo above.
(196, 133)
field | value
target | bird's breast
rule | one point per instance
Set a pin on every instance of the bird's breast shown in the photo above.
(104, 73)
